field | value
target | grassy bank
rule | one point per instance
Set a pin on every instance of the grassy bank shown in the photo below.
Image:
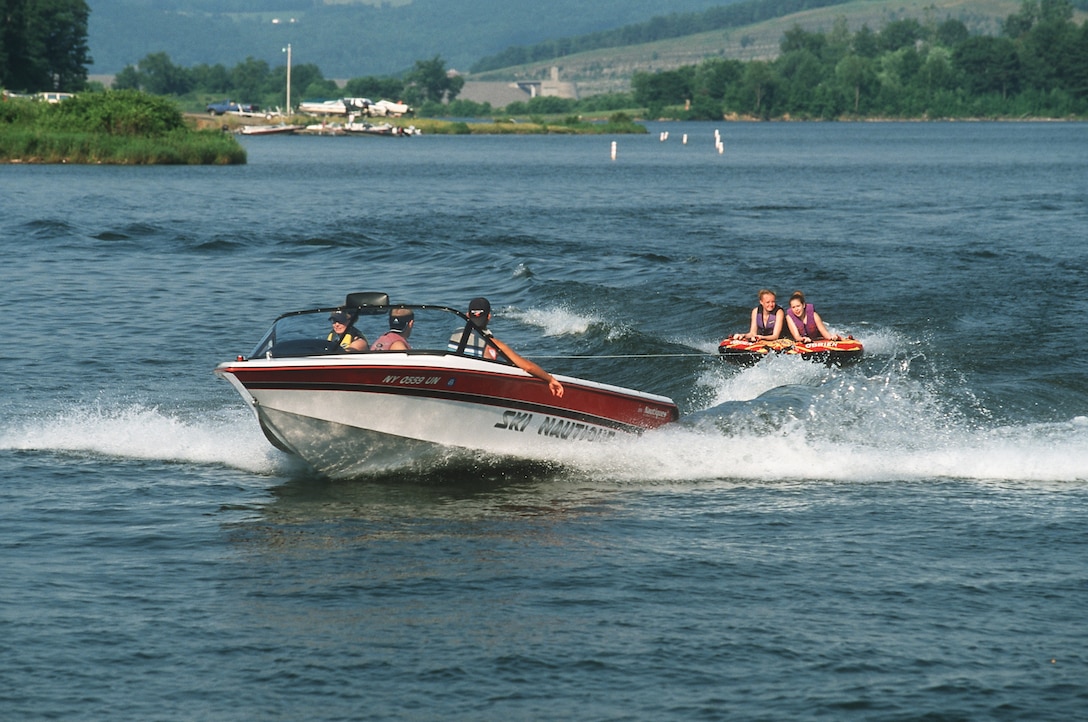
(116, 127)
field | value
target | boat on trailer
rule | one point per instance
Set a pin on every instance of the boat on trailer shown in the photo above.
(354, 414)
(743, 352)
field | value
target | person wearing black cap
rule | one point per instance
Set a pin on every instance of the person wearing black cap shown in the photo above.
(401, 321)
(349, 337)
(471, 342)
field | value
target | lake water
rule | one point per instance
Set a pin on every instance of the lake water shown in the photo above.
(901, 539)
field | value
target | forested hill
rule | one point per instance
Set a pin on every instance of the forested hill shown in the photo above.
(611, 67)
(349, 38)
(674, 25)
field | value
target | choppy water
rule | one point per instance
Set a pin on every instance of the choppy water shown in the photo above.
(902, 539)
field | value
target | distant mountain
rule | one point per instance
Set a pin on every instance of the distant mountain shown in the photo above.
(609, 67)
(674, 25)
(349, 38)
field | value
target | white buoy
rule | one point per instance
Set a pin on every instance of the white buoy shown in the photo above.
(613, 150)
(684, 140)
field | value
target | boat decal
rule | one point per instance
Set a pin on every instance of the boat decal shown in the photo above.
(514, 420)
(412, 380)
(573, 431)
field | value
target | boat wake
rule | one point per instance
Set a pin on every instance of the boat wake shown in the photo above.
(134, 431)
(836, 431)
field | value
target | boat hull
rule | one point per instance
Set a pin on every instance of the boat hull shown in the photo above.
(352, 415)
(833, 353)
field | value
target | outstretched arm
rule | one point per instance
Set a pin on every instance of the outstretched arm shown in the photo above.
(779, 325)
(530, 367)
(823, 329)
(793, 328)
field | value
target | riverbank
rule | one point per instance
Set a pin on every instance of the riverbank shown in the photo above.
(112, 128)
(618, 123)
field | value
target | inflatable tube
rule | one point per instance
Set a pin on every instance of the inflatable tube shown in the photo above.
(743, 352)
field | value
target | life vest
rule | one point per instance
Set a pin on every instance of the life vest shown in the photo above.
(474, 344)
(347, 339)
(387, 339)
(762, 330)
(806, 326)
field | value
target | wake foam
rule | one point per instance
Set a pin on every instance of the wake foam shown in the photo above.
(227, 437)
(556, 320)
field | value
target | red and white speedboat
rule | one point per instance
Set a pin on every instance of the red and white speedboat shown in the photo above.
(362, 413)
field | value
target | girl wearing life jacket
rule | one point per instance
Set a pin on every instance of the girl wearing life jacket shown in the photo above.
(768, 319)
(804, 323)
(349, 337)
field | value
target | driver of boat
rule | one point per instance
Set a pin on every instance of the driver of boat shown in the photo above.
(470, 341)
(768, 319)
(401, 321)
(349, 337)
(804, 323)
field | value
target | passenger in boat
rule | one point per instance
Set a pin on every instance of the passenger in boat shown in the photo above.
(471, 342)
(804, 323)
(344, 333)
(401, 321)
(768, 319)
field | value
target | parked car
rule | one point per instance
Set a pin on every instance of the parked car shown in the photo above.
(229, 106)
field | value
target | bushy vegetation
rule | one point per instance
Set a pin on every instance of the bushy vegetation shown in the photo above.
(253, 81)
(117, 127)
(1037, 68)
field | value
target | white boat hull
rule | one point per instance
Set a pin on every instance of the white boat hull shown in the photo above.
(367, 413)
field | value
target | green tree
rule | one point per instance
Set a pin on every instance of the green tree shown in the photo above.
(306, 77)
(127, 79)
(838, 41)
(951, 33)
(866, 43)
(990, 65)
(901, 34)
(159, 76)
(375, 88)
(1048, 49)
(209, 78)
(759, 84)
(248, 79)
(1018, 24)
(801, 73)
(668, 87)
(428, 80)
(937, 73)
(796, 39)
(714, 76)
(858, 75)
(1076, 79)
(43, 44)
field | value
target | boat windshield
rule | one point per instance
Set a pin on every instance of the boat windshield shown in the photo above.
(310, 333)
